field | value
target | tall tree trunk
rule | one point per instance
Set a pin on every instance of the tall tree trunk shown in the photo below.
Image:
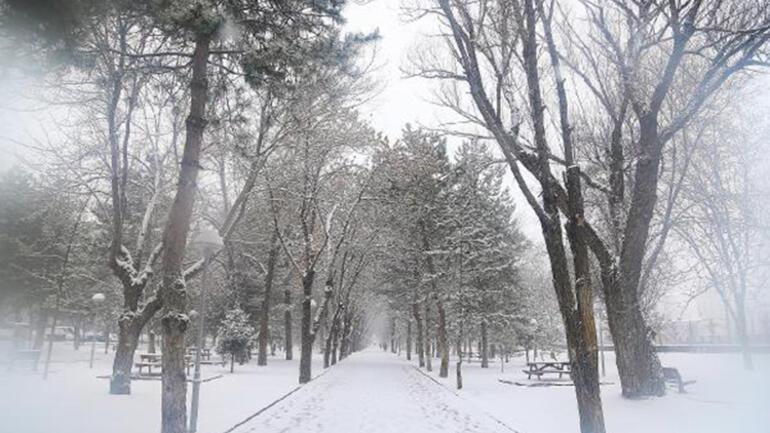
(484, 345)
(427, 339)
(345, 337)
(330, 352)
(335, 343)
(120, 381)
(287, 336)
(174, 320)
(743, 335)
(408, 340)
(638, 364)
(130, 327)
(40, 322)
(306, 335)
(459, 364)
(419, 347)
(151, 341)
(264, 317)
(393, 335)
(76, 336)
(328, 348)
(441, 339)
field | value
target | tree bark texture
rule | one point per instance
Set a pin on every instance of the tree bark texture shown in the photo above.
(174, 320)
(264, 318)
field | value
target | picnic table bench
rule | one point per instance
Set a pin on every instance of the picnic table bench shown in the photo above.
(150, 360)
(548, 367)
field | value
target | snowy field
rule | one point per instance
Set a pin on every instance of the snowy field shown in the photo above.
(375, 391)
(724, 399)
(74, 400)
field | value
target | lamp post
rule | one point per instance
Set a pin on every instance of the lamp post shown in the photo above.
(97, 299)
(209, 241)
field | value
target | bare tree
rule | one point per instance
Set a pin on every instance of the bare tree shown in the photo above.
(722, 222)
(626, 63)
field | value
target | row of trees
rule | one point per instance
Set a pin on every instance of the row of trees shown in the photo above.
(147, 84)
(243, 115)
(453, 251)
(588, 100)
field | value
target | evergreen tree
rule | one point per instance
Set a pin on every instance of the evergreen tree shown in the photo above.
(235, 337)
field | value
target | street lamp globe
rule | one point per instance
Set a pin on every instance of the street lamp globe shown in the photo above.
(208, 240)
(192, 314)
(98, 298)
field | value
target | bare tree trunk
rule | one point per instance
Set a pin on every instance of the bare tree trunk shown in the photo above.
(459, 364)
(345, 337)
(743, 335)
(443, 346)
(335, 344)
(42, 320)
(427, 339)
(264, 318)
(287, 337)
(408, 340)
(120, 381)
(78, 329)
(174, 320)
(151, 341)
(328, 348)
(306, 342)
(484, 345)
(393, 335)
(419, 348)
(129, 329)
(330, 352)
(638, 364)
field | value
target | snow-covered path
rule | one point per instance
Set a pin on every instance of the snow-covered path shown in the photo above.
(373, 392)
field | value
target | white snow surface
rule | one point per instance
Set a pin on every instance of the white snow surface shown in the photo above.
(74, 400)
(373, 391)
(378, 392)
(724, 399)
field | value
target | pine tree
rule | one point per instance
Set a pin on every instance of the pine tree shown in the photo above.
(235, 337)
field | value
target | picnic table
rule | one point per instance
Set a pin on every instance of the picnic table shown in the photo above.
(548, 367)
(205, 352)
(150, 360)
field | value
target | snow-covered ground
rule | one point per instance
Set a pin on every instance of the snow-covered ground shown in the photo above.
(74, 400)
(724, 398)
(374, 391)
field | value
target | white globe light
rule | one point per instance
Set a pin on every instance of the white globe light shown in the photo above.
(98, 298)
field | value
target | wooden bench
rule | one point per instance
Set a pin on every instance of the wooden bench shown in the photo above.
(33, 356)
(671, 375)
